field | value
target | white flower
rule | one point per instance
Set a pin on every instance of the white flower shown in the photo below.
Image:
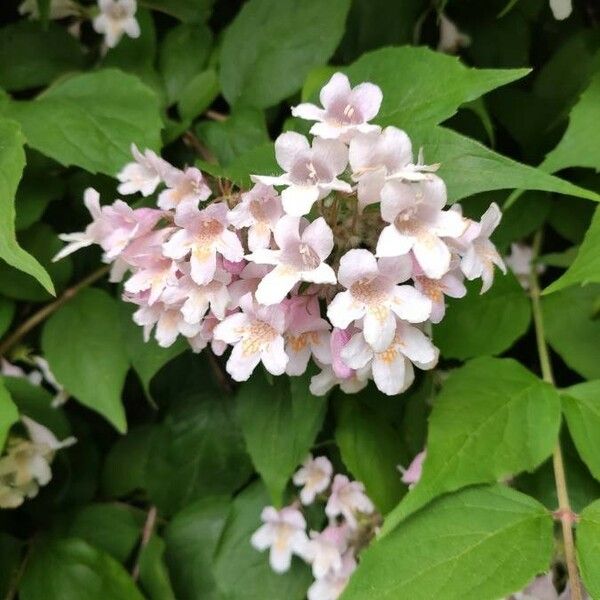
(451, 284)
(325, 550)
(143, 174)
(169, 322)
(303, 248)
(519, 262)
(481, 255)
(256, 334)
(116, 18)
(561, 9)
(310, 173)
(333, 584)
(327, 379)
(417, 223)
(373, 294)
(184, 189)
(314, 476)
(451, 38)
(347, 499)
(345, 109)
(284, 533)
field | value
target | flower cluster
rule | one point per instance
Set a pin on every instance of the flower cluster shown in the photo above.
(331, 552)
(345, 257)
(25, 464)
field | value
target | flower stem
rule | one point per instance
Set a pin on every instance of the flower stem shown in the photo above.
(565, 514)
(42, 314)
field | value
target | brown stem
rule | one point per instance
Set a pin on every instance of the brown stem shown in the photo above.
(147, 532)
(564, 513)
(42, 314)
(222, 379)
(215, 115)
(16, 580)
(190, 139)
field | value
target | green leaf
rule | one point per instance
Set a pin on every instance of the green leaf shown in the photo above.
(7, 312)
(492, 420)
(243, 573)
(9, 414)
(146, 358)
(12, 161)
(198, 94)
(586, 266)
(154, 577)
(183, 54)
(76, 122)
(581, 405)
(32, 55)
(423, 86)
(188, 11)
(464, 546)
(572, 328)
(580, 145)
(42, 243)
(588, 548)
(126, 462)
(244, 130)
(71, 569)
(112, 528)
(198, 451)
(86, 353)
(271, 45)
(371, 450)
(34, 194)
(484, 324)
(279, 423)
(192, 537)
(469, 167)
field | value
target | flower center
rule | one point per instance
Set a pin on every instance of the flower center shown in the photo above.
(309, 258)
(344, 113)
(310, 172)
(257, 210)
(209, 230)
(369, 290)
(257, 336)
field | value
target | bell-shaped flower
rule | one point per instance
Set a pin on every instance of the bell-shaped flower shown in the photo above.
(310, 172)
(325, 550)
(116, 18)
(143, 174)
(451, 39)
(392, 367)
(303, 248)
(331, 586)
(326, 380)
(284, 532)
(197, 299)
(259, 210)
(256, 335)
(185, 189)
(348, 499)
(373, 294)
(314, 476)
(345, 109)
(206, 336)
(307, 334)
(113, 227)
(247, 282)
(519, 261)
(451, 284)
(203, 234)
(412, 475)
(417, 223)
(481, 255)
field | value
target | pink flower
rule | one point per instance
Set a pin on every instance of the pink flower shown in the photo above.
(113, 227)
(256, 334)
(412, 475)
(481, 255)
(326, 380)
(519, 261)
(450, 284)
(345, 109)
(310, 173)
(325, 550)
(417, 223)
(204, 233)
(347, 499)
(259, 210)
(307, 333)
(303, 248)
(392, 367)
(205, 336)
(373, 294)
(144, 174)
(314, 476)
(284, 533)
(331, 586)
(184, 189)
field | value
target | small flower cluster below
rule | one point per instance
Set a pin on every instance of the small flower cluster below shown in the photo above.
(348, 264)
(332, 552)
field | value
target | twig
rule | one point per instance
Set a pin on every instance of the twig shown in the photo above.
(146, 535)
(565, 514)
(215, 116)
(222, 380)
(42, 314)
(16, 580)
(191, 140)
